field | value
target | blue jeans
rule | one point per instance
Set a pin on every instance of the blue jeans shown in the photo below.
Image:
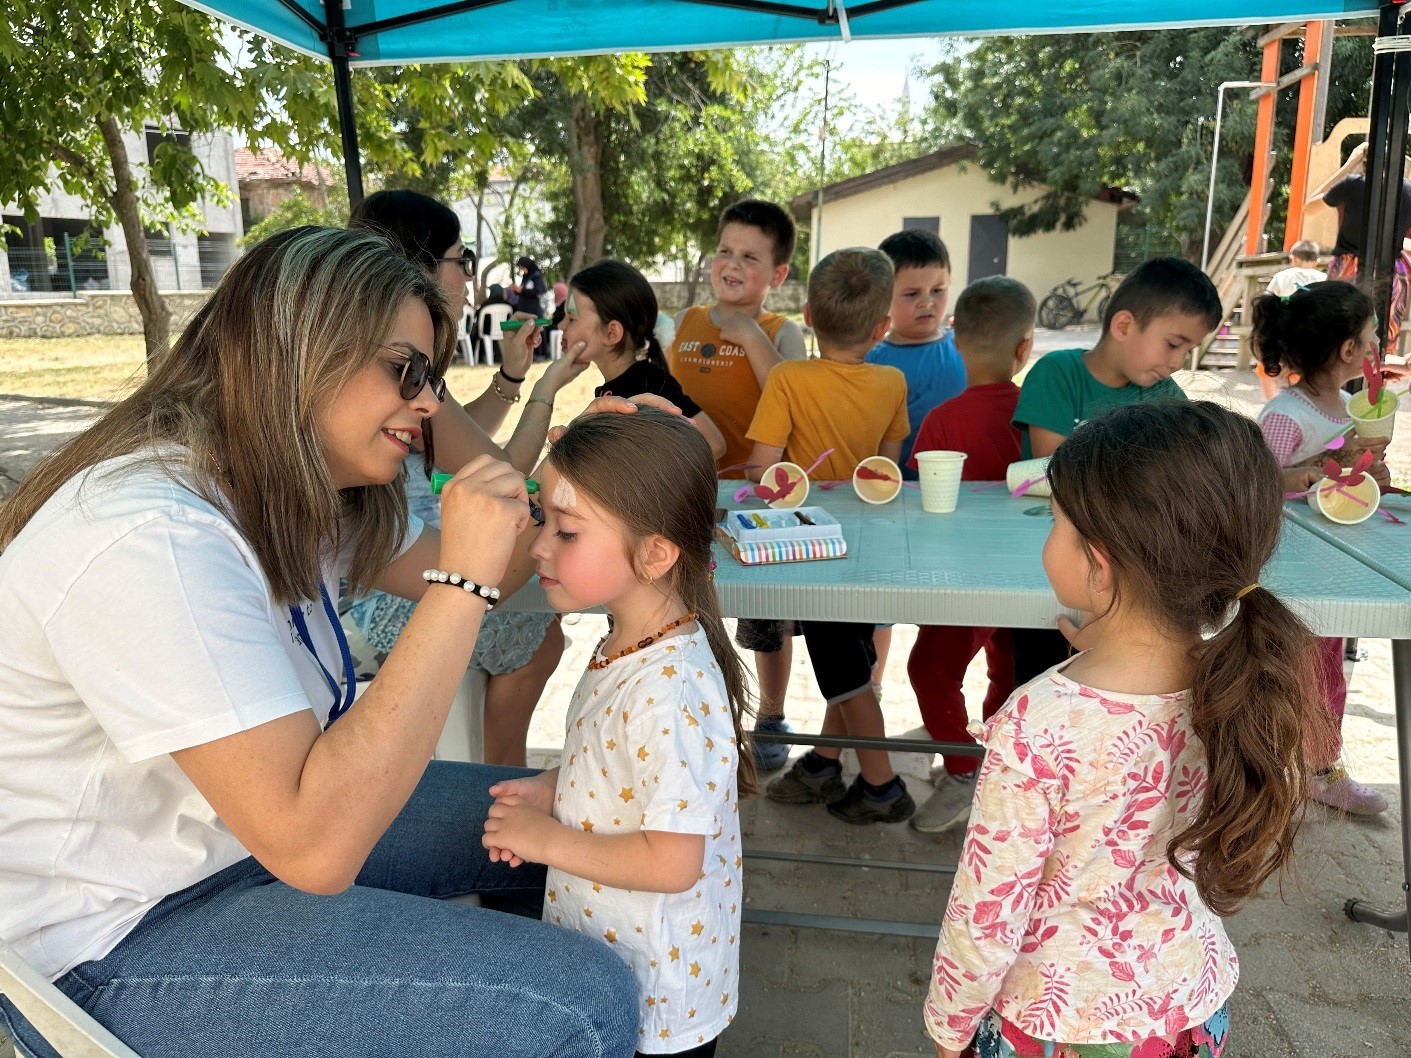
(242, 964)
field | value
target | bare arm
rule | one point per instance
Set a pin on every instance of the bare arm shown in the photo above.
(527, 443)
(310, 804)
(744, 331)
(761, 459)
(890, 449)
(1043, 442)
(706, 425)
(517, 352)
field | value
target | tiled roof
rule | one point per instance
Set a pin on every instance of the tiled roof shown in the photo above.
(269, 164)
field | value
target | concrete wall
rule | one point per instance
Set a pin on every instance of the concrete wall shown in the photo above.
(98, 312)
(955, 194)
(671, 297)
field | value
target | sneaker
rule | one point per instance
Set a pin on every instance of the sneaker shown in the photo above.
(948, 807)
(771, 756)
(798, 787)
(1336, 789)
(854, 807)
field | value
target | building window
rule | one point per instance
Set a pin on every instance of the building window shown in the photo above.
(931, 224)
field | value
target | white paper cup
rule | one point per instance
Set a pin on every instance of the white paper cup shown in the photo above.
(877, 490)
(1372, 424)
(1341, 504)
(1029, 474)
(940, 480)
(793, 484)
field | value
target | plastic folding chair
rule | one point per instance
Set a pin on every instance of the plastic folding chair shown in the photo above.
(487, 328)
(62, 1022)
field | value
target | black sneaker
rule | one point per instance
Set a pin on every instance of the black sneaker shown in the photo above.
(855, 807)
(797, 787)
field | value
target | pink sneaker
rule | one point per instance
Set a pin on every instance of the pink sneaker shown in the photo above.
(1336, 789)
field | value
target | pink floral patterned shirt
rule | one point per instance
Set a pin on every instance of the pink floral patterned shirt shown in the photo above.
(1065, 915)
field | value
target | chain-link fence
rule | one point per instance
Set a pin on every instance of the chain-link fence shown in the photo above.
(1137, 243)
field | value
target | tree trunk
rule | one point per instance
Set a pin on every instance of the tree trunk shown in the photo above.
(156, 317)
(693, 279)
(591, 231)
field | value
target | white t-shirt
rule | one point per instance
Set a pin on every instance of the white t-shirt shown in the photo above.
(1285, 282)
(134, 621)
(650, 746)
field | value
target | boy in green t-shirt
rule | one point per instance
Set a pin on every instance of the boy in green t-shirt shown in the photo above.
(1159, 313)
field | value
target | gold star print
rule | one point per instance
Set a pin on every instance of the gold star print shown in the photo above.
(621, 684)
(697, 928)
(664, 1033)
(597, 887)
(588, 826)
(642, 753)
(675, 953)
(699, 674)
(710, 743)
(607, 711)
(604, 771)
(691, 1013)
(732, 909)
(626, 794)
(588, 912)
(738, 861)
(695, 969)
(666, 731)
(681, 805)
(691, 721)
(571, 758)
(651, 701)
(582, 718)
(651, 1001)
(732, 938)
(724, 998)
(610, 935)
(705, 706)
(652, 963)
(669, 671)
(592, 793)
(625, 714)
(639, 929)
(553, 896)
(710, 785)
(670, 649)
(610, 744)
(617, 821)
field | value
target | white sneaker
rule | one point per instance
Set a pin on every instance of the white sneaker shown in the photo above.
(948, 807)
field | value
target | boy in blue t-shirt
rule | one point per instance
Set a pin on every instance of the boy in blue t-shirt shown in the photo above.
(918, 343)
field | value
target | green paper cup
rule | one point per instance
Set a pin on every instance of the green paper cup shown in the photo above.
(1373, 424)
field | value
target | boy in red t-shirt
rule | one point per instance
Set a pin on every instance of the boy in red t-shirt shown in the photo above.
(994, 330)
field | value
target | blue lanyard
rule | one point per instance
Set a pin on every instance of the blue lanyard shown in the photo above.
(301, 626)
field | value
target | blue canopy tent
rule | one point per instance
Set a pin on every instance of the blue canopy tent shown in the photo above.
(375, 32)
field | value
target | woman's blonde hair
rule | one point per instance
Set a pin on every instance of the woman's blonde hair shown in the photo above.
(232, 410)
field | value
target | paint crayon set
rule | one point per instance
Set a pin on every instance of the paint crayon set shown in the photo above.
(798, 534)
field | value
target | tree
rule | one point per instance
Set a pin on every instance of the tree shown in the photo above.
(1079, 112)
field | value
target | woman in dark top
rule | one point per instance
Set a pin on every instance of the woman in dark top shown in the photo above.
(1346, 191)
(608, 322)
(530, 288)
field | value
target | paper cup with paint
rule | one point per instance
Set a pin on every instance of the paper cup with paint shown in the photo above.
(1373, 422)
(940, 480)
(1347, 500)
(1028, 477)
(877, 480)
(783, 485)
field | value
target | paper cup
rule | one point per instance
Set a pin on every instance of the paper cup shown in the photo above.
(1370, 423)
(783, 485)
(1341, 503)
(1028, 477)
(940, 480)
(874, 489)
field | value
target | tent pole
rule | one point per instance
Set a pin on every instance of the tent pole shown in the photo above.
(1386, 156)
(341, 45)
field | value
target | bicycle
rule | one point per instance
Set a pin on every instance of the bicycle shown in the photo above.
(1065, 303)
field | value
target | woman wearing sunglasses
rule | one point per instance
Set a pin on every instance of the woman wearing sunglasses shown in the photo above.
(518, 651)
(197, 843)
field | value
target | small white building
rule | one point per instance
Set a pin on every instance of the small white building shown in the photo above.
(946, 193)
(42, 261)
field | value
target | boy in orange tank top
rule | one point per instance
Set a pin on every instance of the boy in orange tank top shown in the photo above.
(721, 356)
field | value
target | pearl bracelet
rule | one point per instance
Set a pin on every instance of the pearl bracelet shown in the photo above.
(441, 576)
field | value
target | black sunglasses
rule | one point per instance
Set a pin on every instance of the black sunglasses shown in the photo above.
(416, 375)
(466, 260)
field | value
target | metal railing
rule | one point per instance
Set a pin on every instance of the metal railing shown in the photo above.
(62, 270)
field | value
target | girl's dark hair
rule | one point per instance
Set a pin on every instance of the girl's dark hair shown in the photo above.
(419, 227)
(669, 492)
(527, 262)
(1305, 330)
(1184, 499)
(621, 293)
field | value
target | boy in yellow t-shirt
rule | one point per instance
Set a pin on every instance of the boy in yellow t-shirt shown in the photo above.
(858, 410)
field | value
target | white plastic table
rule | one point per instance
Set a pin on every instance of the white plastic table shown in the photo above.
(981, 565)
(1384, 547)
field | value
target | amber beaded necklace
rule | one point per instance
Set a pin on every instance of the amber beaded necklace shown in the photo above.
(596, 663)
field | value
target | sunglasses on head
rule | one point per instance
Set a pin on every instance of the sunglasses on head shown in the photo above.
(416, 376)
(466, 260)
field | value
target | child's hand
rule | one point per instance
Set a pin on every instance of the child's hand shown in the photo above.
(518, 345)
(737, 328)
(516, 831)
(532, 790)
(1301, 479)
(1075, 633)
(564, 370)
(621, 405)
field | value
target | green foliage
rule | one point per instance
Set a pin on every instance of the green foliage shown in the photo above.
(300, 208)
(1079, 112)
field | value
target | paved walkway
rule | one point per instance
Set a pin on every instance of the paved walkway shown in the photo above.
(1313, 984)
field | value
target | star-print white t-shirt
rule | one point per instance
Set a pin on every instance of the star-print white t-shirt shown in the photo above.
(650, 746)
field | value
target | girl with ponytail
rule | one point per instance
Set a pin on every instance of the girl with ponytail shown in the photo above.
(1132, 796)
(1320, 335)
(610, 322)
(639, 825)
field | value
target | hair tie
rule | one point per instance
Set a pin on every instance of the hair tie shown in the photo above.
(1246, 590)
